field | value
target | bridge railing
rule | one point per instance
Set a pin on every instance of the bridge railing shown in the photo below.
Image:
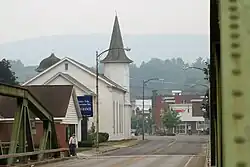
(4, 147)
(36, 156)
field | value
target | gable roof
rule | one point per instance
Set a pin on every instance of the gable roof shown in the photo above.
(71, 80)
(82, 67)
(54, 97)
(116, 55)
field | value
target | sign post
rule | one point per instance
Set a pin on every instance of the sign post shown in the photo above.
(86, 105)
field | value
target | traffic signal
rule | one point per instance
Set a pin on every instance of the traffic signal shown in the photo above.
(205, 110)
(206, 71)
(205, 107)
(206, 114)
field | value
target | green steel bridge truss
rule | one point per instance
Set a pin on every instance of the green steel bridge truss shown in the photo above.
(230, 59)
(21, 139)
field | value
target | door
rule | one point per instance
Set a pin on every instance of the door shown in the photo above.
(180, 129)
(70, 129)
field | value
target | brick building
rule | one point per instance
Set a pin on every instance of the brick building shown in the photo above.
(188, 106)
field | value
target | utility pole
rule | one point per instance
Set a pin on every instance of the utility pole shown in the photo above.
(144, 82)
(143, 126)
(154, 92)
(97, 90)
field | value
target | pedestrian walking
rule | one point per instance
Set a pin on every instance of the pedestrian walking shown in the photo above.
(73, 144)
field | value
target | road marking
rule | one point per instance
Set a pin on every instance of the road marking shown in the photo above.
(144, 156)
(160, 149)
(170, 144)
(127, 162)
(189, 160)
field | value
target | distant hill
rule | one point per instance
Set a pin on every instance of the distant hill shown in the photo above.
(23, 73)
(171, 70)
(83, 47)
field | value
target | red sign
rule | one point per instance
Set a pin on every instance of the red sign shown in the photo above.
(181, 110)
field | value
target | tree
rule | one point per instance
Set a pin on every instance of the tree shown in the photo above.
(170, 119)
(205, 104)
(134, 122)
(6, 75)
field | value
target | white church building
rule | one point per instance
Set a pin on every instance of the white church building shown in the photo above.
(114, 94)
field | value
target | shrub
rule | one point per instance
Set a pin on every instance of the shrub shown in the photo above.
(87, 143)
(171, 134)
(103, 137)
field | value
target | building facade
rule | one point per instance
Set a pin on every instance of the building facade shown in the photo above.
(114, 96)
(188, 107)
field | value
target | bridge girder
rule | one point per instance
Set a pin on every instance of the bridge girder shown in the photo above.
(21, 128)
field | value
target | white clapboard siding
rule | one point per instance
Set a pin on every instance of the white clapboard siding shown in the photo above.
(71, 115)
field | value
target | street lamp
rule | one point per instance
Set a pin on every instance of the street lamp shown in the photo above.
(97, 89)
(197, 68)
(143, 87)
(193, 85)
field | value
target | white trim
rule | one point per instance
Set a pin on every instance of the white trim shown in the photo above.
(12, 119)
(170, 101)
(68, 59)
(196, 100)
(181, 105)
(169, 98)
(176, 91)
(79, 86)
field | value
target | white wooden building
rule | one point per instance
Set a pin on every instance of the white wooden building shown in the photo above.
(114, 95)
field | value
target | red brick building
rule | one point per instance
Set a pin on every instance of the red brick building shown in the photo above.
(189, 107)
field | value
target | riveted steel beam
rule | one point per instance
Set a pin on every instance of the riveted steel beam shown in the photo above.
(19, 92)
(21, 139)
(235, 83)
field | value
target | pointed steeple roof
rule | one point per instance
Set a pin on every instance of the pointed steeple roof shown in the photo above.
(116, 55)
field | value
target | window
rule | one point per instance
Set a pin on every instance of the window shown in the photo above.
(114, 128)
(121, 118)
(117, 117)
(66, 66)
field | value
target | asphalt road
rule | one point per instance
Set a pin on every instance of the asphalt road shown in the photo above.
(157, 151)
(165, 145)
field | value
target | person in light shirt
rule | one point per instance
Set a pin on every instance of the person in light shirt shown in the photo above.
(73, 144)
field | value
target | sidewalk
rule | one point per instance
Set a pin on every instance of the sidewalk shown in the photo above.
(107, 147)
(208, 155)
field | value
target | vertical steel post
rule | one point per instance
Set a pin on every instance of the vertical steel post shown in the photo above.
(97, 102)
(143, 126)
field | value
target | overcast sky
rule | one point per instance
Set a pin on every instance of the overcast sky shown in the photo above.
(22, 19)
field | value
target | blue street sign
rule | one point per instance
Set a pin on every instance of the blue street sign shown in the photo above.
(86, 105)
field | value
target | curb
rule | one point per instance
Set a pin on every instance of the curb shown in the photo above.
(117, 148)
(207, 160)
(109, 150)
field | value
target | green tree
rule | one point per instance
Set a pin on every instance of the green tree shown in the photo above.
(134, 122)
(170, 119)
(6, 75)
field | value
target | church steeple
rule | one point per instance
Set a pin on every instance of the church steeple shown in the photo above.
(116, 55)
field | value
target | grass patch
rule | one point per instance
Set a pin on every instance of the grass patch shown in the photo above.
(81, 149)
